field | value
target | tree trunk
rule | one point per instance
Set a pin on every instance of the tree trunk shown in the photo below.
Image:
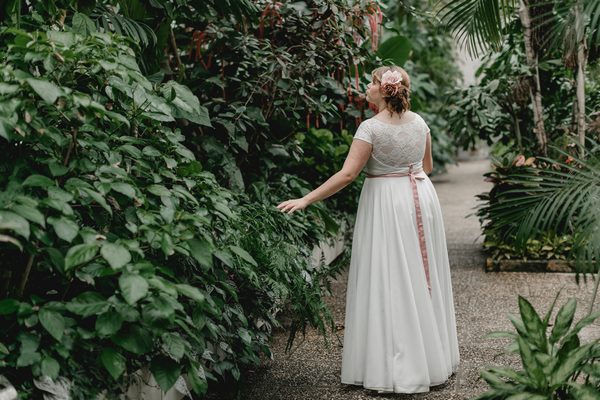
(535, 89)
(581, 61)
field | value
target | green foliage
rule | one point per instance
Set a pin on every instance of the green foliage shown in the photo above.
(543, 207)
(120, 251)
(556, 365)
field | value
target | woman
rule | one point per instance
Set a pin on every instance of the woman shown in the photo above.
(400, 328)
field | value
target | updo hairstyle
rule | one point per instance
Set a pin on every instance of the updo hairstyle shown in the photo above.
(396, 96)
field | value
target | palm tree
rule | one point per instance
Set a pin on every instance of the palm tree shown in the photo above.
(479, 25)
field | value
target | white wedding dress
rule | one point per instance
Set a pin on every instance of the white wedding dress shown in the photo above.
(399, 336)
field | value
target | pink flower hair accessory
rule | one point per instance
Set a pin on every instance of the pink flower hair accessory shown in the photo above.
(391, 82)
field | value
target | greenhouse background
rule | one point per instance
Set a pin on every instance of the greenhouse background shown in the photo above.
(145, 145)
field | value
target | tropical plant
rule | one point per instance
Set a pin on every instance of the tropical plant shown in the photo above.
(556, 365)
(576, 27)
(561, 197)
(119, 251)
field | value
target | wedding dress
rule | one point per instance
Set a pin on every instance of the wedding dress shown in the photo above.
(400, 328)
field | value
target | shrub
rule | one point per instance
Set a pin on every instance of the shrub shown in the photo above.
(118, 250)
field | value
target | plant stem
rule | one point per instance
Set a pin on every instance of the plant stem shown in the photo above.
(25, 276)
(595, 291)
(180, 71)
(581, 61)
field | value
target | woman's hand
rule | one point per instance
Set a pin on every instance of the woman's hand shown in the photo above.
(289, 206)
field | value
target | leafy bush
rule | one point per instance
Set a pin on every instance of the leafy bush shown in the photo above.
(556, 365)
(518, 182)
(119, 251)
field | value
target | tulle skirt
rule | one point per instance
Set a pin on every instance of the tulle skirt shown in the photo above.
(398, 337)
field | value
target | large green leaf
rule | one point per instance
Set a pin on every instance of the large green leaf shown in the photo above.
(14, 222)
(30, 213)
(48, 91)
(165, 371)
(82, 24)
(108, 323)
(397, 49)
(113, 361)
(50, 367)
(174, 345)
(116, 255)
(53, 322)
(87, 304)
(190, 291)
(8, 306)
(134, 339)
(65, 228)
(533, 324)
(80, 254)
(202, 251)
(563, 320)
(244, 255)
(133, 287)
(569, 365)
(530, 364)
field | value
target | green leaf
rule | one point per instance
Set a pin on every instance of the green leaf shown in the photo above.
(8, 306)
(53, 322)
(98, 198)
(573, 360)
(108, 323)
(82, 24)
(87, 304)
(397, 48)
(80, 254)
(585, 392)
(113, 361)
(30, 213)
(530, 364)
(533, 323)
(244, 255)
(123, 188)
(48, 91)
(201, 250)
(197, 379)
(116, 255)
(244, 335)
(159, 190)
(174, 345)
(133, 287)
(165, 371)
(190, 291)
(15, 223)
(225, 257)
(134, 339)
(65, 228)
(38, 181)
(50, 367)
(563, 320)
(10, 239)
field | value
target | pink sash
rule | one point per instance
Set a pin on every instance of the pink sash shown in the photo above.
(413, 183)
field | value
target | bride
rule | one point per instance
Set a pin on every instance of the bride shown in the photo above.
(400, 329)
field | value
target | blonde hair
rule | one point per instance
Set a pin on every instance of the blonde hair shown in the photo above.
(396, 100)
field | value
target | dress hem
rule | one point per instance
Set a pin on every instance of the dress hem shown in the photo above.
(416, 389)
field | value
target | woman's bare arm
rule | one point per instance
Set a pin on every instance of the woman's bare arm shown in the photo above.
(428, 158)
(357, 157)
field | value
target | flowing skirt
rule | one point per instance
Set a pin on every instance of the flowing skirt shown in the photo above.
(397, 337)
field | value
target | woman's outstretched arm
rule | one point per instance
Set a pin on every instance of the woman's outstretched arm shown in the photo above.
(357, 157)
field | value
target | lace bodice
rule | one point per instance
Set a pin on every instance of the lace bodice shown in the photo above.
(395, 146)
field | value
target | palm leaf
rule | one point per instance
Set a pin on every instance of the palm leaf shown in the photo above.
(477, 24)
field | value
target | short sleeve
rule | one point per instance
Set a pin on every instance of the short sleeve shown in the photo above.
(364, 133)
(426, 127)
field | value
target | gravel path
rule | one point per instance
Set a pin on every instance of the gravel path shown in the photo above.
(482, 300)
